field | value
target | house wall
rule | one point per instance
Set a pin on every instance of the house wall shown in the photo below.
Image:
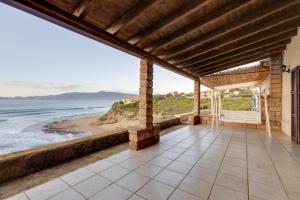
(291, 57)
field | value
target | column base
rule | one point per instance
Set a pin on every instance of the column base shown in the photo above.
(140, 138)
(194, 120)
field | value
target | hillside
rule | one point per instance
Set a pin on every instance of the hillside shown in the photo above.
(167, 106)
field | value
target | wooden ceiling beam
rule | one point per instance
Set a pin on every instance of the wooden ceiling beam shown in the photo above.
(272, 29)
(52, 13)
(82, 8)
(176, 15)
(280, 45)
(268, 10)
(197, 24)
(241, 61)
(223, 53)
(129, 16)
(245, 62)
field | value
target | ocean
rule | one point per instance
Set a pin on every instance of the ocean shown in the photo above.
(22, 121)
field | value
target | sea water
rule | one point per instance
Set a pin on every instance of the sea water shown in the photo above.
(22, 121)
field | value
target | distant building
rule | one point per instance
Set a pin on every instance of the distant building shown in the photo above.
(130, 99)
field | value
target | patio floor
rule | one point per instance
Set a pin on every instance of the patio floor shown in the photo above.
(194, 162)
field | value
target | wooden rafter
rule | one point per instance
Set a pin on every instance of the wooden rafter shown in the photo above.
(197, 24)
(242, 61)
(264, 12)
(223, 53)
(178, 14)
(82, 8)
(129, 16)
(261, 50)
(280, 26)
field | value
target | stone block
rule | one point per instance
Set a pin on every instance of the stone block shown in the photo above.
(141, 138)
(194, 119)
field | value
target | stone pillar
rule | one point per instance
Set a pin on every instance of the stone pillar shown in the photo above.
(274, 100)
(195, 118)
(146, 133)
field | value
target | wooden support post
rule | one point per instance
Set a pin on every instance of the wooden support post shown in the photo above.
(146, 133)
(195, 118)
(268, 126)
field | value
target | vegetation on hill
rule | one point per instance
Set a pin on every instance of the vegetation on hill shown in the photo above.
(169, 105)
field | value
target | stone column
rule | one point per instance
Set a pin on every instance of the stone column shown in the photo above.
(146, 133)
(275, 97)
(195, 118)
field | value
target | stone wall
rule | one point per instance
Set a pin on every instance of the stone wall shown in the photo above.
(19, 164)
(22, 163)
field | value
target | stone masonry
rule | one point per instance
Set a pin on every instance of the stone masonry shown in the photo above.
(146, 133)
(195, 119)
(275, 97)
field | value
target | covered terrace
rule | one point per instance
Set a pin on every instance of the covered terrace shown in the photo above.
(197, 39)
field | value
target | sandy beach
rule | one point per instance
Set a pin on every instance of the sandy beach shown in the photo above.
(88, 124)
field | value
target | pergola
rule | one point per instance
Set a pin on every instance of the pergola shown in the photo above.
(194, 38)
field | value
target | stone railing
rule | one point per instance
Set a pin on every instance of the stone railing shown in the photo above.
(19, 164)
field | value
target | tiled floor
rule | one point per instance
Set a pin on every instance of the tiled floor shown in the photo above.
(192, 163)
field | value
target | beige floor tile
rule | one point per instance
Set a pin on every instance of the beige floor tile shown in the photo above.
(179, 150)
(235, 162)
(131, 164)
(180, 167)
(222, 193)
(291, 183)
(112, 192)
(169, 177)
(232, 182)
(293, 195)
(46, 190)
(148, 170)
(181, 195)
(77, 176)
(266, 192)
(203, 174)
(92, 185)
(114, 173)
(133, 181)
(155, 190)
(68, 194)
(99, 166)
(136, 197)
(170, 155)
(196, 187)
(265, 178)
(209, 164)
(235, 171)
(160, 161)
(188, 159)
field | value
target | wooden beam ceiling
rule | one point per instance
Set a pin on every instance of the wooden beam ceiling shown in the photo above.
(222, 53)
(258, 51)
(235, 40)
(197, 24)
(129, 16)
(242, 61)
(178, 14)
(82, 8)
(266, 11)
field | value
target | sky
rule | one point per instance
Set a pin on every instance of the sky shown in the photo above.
(41, 58)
